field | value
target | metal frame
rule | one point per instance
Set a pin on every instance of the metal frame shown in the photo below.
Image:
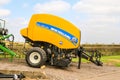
(3, 22)
(14, 76)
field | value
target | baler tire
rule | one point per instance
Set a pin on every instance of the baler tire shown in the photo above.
(36, 57)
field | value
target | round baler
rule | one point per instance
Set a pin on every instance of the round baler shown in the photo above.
(53, 39)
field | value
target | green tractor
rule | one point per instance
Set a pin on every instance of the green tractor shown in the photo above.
(3, 36)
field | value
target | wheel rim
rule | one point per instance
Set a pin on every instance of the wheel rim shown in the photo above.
(35, 57)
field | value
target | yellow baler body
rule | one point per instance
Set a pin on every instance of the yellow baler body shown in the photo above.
(54, 30)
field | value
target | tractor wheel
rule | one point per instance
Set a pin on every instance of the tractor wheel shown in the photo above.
(6, 32)
(36, 57)
(2, 31)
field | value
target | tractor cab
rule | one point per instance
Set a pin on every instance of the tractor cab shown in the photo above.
(3, 36)
(3, 31)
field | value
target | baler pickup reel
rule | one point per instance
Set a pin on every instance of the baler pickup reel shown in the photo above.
(94, 57)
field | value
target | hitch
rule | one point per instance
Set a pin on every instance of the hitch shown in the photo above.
(94, 57)
(15, 76)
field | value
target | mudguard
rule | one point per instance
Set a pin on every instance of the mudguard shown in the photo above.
(52, 29)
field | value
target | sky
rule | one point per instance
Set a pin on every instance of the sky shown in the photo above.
(98, 20)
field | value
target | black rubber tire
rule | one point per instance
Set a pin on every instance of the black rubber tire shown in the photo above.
(2, 31)
(36, 57)
(6, 32)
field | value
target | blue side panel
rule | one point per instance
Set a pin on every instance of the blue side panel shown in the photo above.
(61, 32)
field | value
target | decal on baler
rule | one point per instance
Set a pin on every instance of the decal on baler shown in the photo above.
(65, 34)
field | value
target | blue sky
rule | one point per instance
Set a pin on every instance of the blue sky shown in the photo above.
(99, 21)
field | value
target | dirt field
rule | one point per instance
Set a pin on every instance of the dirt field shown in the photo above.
(88, 71)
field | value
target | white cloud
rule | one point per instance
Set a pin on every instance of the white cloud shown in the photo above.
(54, 6)
(4, 12)
(98, 20)
(2, 2)
(97, 7)
(14, 26)
(18, 22)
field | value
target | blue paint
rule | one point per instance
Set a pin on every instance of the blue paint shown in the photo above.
(65, 34)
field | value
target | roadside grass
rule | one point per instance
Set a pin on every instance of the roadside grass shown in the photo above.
(112, 60)
(117, 64)
(83, 60)
(109, 60)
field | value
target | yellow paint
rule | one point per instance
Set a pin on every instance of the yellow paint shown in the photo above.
(37, 33)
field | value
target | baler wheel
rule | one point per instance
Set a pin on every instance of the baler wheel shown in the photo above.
(36, 57)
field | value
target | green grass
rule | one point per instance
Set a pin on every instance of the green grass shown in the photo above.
(110, 60)
(117, 64)
(113, 60)
(83, 60)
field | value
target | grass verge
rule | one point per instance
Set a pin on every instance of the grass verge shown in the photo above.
(110, 60)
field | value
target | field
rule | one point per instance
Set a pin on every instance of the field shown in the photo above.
(106, 50)
(88, 71)
(108, 60)
(110, 53)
